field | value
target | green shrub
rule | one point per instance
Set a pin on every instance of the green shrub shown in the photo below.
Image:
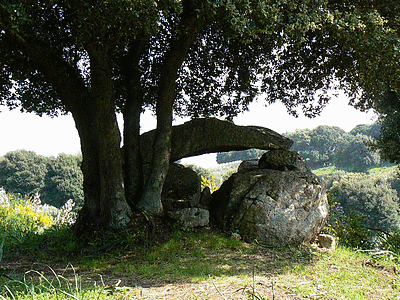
(22, 217)
(348, 229)
(25, 222)
(364, 195)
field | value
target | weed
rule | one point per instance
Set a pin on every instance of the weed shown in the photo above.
(205, 182)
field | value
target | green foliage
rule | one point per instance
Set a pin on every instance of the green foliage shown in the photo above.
(392, 242)
(214, 176)
(21, 221)
(63, 181)
(388, 140)
(326, 146)
(202, 172)
(371, 216)
(355, 156)
(318, 146)
(26, 223)
(227, 174)
(50, 285)
(23, 217)
(371, 130)
(348, 228)
(3, 237)
(330, 175)
(23, 172)
(56, 179)
(371, 199)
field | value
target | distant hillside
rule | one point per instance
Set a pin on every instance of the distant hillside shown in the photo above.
(326, 146)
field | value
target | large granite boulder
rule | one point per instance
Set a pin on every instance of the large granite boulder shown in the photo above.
(278, 206)
(209, 135)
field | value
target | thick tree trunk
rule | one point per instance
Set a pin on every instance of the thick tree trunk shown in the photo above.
(105, 204)
(94, 115)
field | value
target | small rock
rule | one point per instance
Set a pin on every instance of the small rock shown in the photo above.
(236, 236)
(282, 160)
(326, 241)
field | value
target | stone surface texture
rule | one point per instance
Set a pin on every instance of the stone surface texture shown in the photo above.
(191, 217)
(282, 160)
(326, 241)
(275, 206)
(209, 135)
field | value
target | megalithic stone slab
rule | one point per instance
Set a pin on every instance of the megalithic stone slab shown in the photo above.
(209, 135)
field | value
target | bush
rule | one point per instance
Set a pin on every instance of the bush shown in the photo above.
(392, 242)
(21, 215)
(363, 195)
(23, 219)
(350, 231)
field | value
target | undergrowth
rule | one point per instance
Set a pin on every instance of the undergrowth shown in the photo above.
(124, 265)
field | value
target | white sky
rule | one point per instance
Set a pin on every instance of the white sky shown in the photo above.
(50, 136)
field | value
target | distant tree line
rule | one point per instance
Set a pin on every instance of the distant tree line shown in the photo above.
(55, 179)
(326, 146)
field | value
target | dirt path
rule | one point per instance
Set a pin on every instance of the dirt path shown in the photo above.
(241, 287)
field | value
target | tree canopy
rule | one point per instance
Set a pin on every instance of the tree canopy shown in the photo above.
(92, 58)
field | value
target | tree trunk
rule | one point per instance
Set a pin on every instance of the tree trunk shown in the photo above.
(95, 120)
(186, 35)
(132, 109)
(151, 198)
(132, 158)
(105, 204)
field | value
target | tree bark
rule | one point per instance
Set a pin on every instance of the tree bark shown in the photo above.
(132, 109)
(109, 208)
(104, 204)
(179, 47)
(132, 158)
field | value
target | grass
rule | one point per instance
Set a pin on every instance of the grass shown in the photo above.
(183, 264)
(383, 171)
(326, 171)
(204, 264)
(348, 275)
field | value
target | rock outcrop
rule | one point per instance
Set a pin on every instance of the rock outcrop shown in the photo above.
(209, 135)
(279, 206)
